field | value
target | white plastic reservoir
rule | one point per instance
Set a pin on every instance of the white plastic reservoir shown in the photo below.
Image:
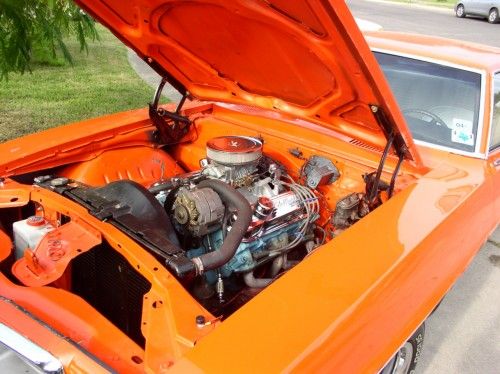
(28, 233)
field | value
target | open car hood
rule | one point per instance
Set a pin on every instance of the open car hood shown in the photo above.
(306, 58)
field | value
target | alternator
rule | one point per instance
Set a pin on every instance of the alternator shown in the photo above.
(200, 211)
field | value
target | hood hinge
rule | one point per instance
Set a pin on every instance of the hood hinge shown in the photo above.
(172, 126)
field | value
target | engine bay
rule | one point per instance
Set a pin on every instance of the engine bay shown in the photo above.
(226, 215)
(236, 223)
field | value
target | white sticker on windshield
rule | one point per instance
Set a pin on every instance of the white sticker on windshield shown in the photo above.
(462, 132)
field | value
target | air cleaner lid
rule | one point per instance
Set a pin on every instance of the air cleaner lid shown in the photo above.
(234, 150)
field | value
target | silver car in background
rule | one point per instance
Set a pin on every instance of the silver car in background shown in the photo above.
(489, 9)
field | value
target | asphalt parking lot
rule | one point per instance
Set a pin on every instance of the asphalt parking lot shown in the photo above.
(463, 335)
(426, 20)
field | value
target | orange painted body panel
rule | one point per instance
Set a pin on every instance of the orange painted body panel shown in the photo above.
(73, 358)
(71, 317)
(305, 58)
(142, 164)
(346, 308)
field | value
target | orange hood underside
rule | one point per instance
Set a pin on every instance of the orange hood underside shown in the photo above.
(305, 58)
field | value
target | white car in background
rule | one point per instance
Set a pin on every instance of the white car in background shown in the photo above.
(489, 9)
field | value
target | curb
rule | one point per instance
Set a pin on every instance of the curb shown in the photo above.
(431, 8)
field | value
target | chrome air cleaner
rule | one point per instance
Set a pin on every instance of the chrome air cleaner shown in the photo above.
(234, 150)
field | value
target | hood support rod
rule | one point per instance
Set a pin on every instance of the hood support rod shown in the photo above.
(399, 147)
(390, 191)
(372, 193)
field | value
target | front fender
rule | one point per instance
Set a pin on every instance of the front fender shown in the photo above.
(352, 303)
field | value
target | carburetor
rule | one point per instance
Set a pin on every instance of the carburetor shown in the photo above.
(232, 159)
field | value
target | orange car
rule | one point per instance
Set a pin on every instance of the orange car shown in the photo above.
(280, 218)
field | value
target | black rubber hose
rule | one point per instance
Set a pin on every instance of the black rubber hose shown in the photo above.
(232, 200)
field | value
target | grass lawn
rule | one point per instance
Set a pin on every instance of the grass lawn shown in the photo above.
(99, 82)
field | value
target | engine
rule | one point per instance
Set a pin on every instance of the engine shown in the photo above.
(282, 212)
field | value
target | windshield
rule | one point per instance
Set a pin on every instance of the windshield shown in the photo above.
(441, 104)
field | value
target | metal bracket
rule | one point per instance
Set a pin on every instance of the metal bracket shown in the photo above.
(172, 126)
(48, 261)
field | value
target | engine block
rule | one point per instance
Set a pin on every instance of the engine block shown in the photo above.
(283, 211)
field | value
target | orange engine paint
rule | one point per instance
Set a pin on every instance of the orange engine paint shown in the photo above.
(144, 165)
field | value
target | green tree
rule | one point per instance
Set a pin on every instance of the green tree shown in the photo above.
(27, 26)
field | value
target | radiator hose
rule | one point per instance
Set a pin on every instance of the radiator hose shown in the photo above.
(233, 201)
